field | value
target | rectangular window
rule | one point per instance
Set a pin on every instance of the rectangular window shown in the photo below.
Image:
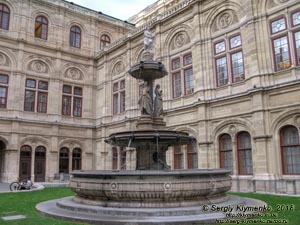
(281, 53)
(178, 157)
(297, 46)
(66, 105)
(176, 64)
(3, 97)
(237, 66)
(235, 42)
(192, 156)
(119, 97)
(296, 19)
(278, 25)
(3, 90)
(176, 85)
(77, 106)
(222, 75)
(29, 101)
(220, 47)
(188, 79)
(42, 102)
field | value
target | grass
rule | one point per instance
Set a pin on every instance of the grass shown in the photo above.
(23, 203)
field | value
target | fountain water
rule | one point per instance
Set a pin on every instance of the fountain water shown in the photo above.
(151, 194)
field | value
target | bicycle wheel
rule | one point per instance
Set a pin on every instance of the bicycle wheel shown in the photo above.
(14, 186)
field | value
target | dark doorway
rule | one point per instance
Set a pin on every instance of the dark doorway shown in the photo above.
(40, 164)
(2, 158)
(25, 162)
(64, 160)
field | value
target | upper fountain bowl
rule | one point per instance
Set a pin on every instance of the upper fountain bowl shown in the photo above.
(148, 70)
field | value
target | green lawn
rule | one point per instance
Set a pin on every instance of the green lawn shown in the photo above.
(23, 203)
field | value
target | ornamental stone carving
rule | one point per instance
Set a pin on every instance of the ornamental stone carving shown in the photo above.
(281, 1)
(118, 68)
(180, 40)
(225, 20)
(74, 74)
(38, 66)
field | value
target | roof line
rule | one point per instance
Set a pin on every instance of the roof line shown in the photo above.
(98, 12)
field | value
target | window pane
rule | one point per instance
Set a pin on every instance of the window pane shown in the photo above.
(66, 106)
(237, 66)
(175, 64)
(176, 85)
(77, 103)
(296, 18)
(115, 87)
(189, 81)
(3, 97)
(297, 42)
(192, 156)
(114, 158)
(282, 54)
(278, 25)
(29, 101)
(122, 101)
(77, 41)
(226, 143)
(115, 103)
(30, 83)
(178, 157)
(222, 76)
(3, 79)
(220, 47)
(187, 59)
(4, 16)
(77, 91)
(67, 89)
(122, 84)
(289, 136)
(235, 41)
(43, 85)
(42, 102)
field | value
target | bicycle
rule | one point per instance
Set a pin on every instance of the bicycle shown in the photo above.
(21, 185)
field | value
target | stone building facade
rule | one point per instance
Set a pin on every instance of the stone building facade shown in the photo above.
(233, 84)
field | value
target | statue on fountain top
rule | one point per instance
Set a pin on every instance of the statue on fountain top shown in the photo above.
(148, 54)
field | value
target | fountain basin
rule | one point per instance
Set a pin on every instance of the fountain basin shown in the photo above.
(150, 189)
(148, 70)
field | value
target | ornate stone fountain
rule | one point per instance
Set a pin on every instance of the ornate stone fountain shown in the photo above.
(152, 193)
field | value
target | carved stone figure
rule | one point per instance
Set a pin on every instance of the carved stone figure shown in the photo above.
(145, 101)
(148, 54)
(158, 107)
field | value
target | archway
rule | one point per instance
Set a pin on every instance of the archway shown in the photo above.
(2, 159)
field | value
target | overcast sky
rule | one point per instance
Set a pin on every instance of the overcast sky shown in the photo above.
(121, 9)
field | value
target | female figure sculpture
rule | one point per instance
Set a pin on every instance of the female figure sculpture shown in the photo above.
(145, 101)
(158, 108)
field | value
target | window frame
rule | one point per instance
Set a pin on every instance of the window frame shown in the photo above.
(104, 41)
(46, 24)
(2, 12)
(179, 156)
(77, 158)
(37, 92)
(71, 97)
(221, 151)
(286, 34)
(5, 86)
(118, 96)
(75, 33)
(283, 165)
(243, 150)
(181, 72)
(190, 154)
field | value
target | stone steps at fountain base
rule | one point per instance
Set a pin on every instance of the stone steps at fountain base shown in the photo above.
(66, 209)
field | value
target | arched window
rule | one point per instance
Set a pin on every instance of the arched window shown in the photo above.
(104, 41)
(114, 158)
(75, 37)
(76, 159)
(192, 156)
(244, 153)
(4, 17)
(64, 160)
(225, 149)
(25, 162)
(290, 150)
(41, 27)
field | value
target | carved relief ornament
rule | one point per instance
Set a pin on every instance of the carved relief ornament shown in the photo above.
(74, 74)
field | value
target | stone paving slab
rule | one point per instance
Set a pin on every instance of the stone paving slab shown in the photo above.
(15, 217)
